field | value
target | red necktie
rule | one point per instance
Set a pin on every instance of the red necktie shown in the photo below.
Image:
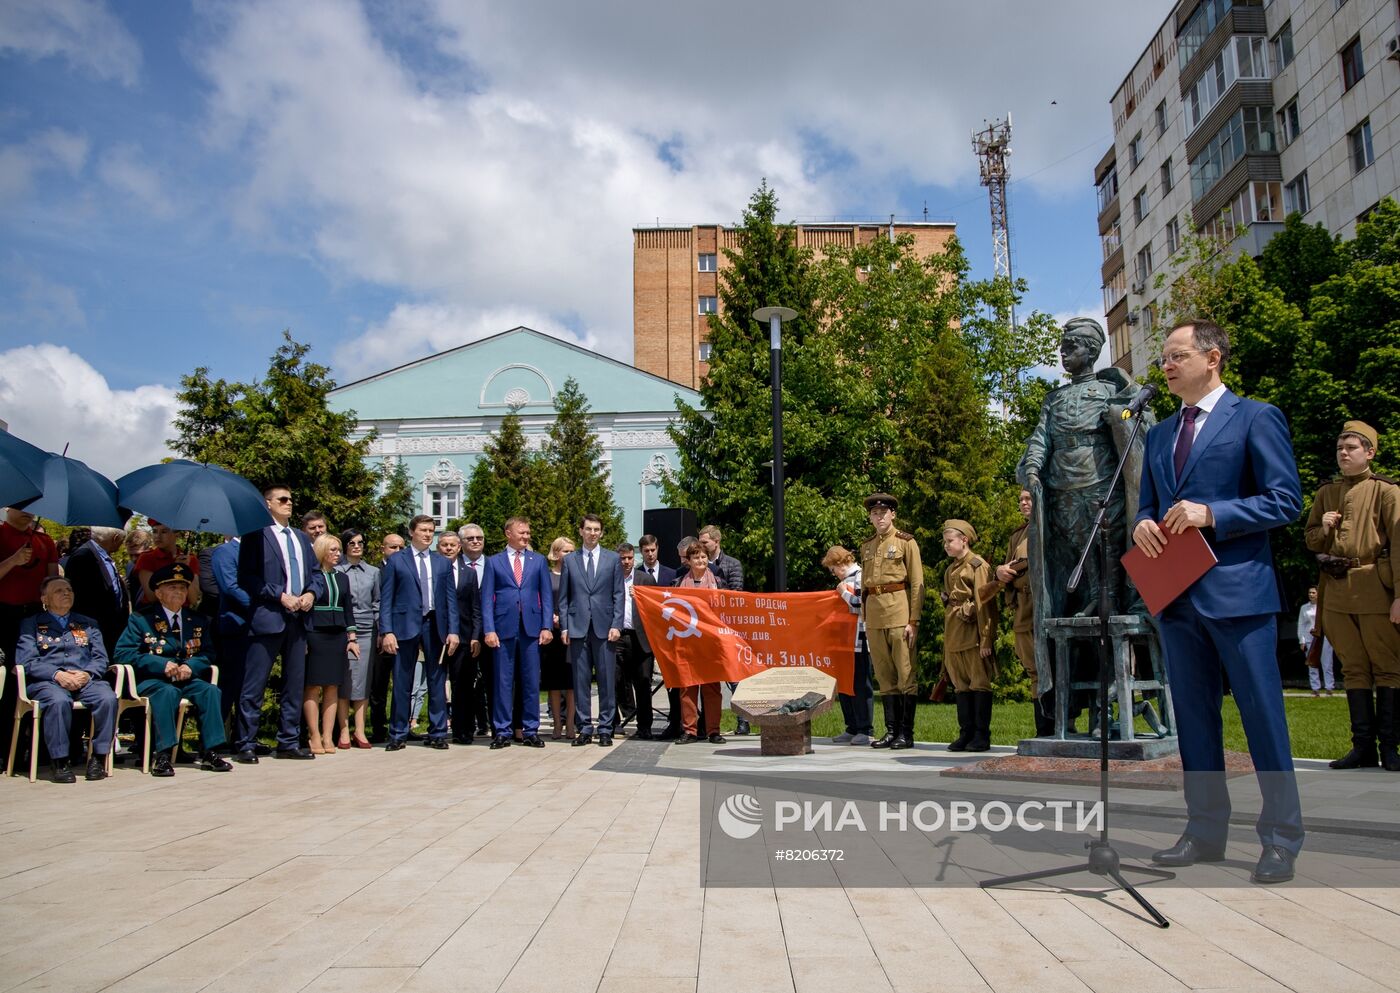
(519, 567)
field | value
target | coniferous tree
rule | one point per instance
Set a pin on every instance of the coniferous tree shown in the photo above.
(575, 482)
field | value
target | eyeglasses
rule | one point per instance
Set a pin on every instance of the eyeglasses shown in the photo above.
(474, 537)
(356, 541)
(281, 499)
(1179, 356)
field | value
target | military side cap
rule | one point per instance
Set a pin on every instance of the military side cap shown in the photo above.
(875, 500)
(961, 527)
(1085, 327)
(1362, 430)
(175, 572)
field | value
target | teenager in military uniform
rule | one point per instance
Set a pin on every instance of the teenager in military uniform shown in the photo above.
(893, 599)
(64, 660)
(166, 646)
(969, 629)
(1015, 578)
(1350, 527)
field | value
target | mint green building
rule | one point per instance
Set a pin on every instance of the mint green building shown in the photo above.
(435, 415)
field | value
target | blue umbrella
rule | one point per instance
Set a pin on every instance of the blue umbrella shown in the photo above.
(195, 496)
(21, 470)
(75, 494)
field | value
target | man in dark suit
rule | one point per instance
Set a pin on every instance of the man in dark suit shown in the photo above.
(517, 608)
(474, 558)
(635, 662)
(1224, 465)
(591, 607)
(462, 663)
(418, 608)
(663, 575)
(231, 624)
(278, 570)
(97, 584)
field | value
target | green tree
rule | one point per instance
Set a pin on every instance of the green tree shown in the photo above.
(1298, 258)
(280, 430)
(500, 481)
(574, 481)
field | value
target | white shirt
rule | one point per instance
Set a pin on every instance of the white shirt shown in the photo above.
(279, 538)
(627, 603)
(1307, 615)
(1207, 404)
(173, 620)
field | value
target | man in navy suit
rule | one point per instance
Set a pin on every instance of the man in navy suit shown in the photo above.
(591, 608)
(278, 571)
(418, 607)
(462, 662)
(1225, 465)
(232, 625)
(651, 561)
(98, 589)
(517, 608)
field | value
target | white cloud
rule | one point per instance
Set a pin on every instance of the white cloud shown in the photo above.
(415, 329)
(84, 32)
(124, 170)
(507, 177)
(52, 148)
(52, 397)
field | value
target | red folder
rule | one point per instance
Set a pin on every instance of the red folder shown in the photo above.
(1186, 559)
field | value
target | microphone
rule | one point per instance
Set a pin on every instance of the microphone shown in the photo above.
(1145, 396)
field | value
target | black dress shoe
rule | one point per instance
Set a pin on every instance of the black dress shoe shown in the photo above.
(1275, 865)
(96, 768)
(161, 766)
(211, 761)
(687, 739)
(500, 742)
(605, 740)
(583, 739)
(395, 745)
(62, 772)
(460, 739)
(261, 750)
(719, 739)
(1188, 851)
(249, 757)
(293, 753)
(532, 741)
(439, 743)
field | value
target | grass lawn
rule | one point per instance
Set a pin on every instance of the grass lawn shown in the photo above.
(1320, 728)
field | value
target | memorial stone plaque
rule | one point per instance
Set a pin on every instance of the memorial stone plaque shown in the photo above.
(782, 702)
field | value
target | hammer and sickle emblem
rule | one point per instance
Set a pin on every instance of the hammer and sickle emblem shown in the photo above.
(669, 608)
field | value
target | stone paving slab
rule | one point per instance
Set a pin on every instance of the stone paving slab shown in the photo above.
(578, 869)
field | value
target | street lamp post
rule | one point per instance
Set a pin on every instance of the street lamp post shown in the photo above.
(775, 317)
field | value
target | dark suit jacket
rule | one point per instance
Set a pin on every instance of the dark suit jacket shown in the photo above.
(468, 602)
(640, 578)
(595, 603)
(234, 605)
(728, 571)
(1241, 466)
(505, 606)
(93, 595)
(665, 575)
(262, 577)
(322, 618)
(401, 596)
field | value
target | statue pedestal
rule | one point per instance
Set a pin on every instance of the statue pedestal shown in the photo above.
(760, 699)
(1124, 631)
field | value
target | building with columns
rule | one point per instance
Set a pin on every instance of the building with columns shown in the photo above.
(436, 414)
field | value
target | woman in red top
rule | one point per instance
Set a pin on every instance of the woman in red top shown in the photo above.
(699, 577)
(165, 550)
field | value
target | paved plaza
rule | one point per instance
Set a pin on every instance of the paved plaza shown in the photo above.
(577, 869)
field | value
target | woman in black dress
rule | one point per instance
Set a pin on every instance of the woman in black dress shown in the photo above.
(556, 673)
(331, 640)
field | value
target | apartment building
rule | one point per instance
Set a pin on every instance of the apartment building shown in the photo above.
(675, 284)
(1238, 113)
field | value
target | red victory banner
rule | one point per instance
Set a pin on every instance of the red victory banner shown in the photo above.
(712, 636)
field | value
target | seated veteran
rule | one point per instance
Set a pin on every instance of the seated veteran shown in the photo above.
(64, 660)
(166, 646)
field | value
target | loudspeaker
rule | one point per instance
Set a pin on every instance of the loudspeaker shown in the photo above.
(670, 525)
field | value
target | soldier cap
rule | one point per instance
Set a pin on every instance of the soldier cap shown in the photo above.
(1085, 327)
(1363, 430)
(175, 572)
(962, 527)
(881, 500)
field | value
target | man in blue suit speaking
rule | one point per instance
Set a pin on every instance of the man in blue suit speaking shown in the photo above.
(418, 608)
(517, 611)
(1225, 465)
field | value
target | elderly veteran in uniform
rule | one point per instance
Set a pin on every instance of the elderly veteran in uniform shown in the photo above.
(165, 644)
(64, 660)
(1352, 527)
(969, 631)
(893, 598)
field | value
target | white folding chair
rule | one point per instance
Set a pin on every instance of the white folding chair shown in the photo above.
(24, 705)
(135, 700)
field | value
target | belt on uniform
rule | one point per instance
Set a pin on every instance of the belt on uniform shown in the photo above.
(887, 587)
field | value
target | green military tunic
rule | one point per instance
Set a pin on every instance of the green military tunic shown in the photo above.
(149, 644)
(968, 627)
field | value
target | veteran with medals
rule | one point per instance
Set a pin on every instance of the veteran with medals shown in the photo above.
(165, 644)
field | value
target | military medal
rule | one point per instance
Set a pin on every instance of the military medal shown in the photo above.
(80, 635)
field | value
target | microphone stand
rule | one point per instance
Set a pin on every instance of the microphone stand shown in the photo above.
(1103, 857)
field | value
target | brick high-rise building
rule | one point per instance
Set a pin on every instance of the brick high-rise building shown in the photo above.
(675, 284)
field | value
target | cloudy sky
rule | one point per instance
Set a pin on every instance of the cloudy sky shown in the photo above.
(180, 181)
